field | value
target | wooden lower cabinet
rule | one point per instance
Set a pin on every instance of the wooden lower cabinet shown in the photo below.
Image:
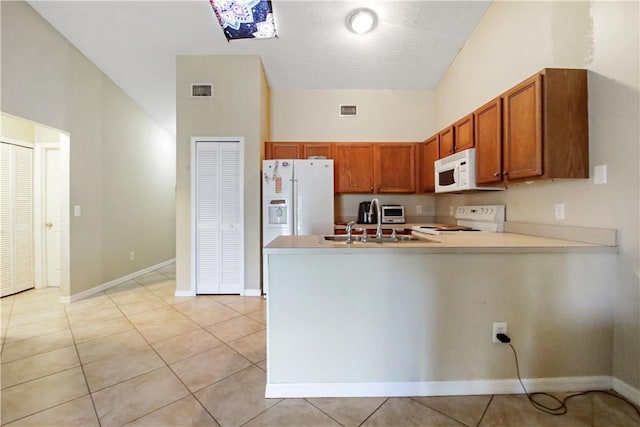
(429, 153)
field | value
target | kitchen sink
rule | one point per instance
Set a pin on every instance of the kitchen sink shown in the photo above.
(401, 238)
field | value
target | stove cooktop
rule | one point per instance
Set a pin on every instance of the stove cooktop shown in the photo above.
(470, 218)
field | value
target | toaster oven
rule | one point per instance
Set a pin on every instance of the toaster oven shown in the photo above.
(393, 214)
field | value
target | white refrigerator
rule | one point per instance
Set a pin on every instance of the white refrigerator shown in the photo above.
(297, 198)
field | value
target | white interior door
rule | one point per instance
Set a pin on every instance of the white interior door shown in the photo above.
(16, 219)
(52, 215)
(219, 229)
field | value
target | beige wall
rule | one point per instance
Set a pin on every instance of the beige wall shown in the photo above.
(16, 128)
(383, 115)
(122, 162)
(236, 110)
(515, 40)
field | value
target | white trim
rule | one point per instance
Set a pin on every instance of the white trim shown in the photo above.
(626, 390)
(184, 294)
(39, 208)
(19, 142)
(115, 282)
(437, 388)
(252, 293)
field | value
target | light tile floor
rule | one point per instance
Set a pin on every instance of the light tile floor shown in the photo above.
(136, 355)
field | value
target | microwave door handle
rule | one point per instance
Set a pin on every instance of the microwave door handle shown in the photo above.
(456, 175)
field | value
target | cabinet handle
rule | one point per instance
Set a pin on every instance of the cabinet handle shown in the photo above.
(496, 174)
(505, 173)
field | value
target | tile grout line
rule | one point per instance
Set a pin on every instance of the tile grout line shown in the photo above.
(84, 374)
(413, 398)
(319, 409)
(485, 410)
(167, 365)
(374, 411)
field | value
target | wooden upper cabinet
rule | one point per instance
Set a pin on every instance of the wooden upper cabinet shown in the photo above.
(446, 142)
(546, 129)
(395, 168)
(297, 150)
(463, 134)
(523, 129)
(353, 168)
(282, 150)
(488, 139)
(317, 149)
(429, 153)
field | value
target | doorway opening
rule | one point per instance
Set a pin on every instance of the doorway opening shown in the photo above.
(44, 174)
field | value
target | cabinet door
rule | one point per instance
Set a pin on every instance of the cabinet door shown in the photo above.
(309, 150)
(446, 142)
(488, 137)
(429, 153)
(353, 168)
(523, 129)
(282, 150)
(395, 168)
(463, 133)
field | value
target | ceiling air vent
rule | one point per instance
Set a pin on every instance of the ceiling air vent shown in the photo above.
(348, 110)
(201, 90)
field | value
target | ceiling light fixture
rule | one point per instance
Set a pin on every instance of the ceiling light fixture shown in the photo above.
(362, 21)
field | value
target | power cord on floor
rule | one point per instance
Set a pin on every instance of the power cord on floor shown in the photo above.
(561, 407)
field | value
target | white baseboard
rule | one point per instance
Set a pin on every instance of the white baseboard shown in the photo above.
(185, 294)
(437, 388)
(624, 389)
(252, 293)
(115, 282)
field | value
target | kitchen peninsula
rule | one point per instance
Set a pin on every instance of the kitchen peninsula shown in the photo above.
(415, 318)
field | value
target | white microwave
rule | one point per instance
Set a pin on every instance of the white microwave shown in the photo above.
(457, 172)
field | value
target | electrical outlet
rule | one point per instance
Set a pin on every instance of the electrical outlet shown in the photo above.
(132, 256)
(559, 211)
(418, 209)
(498, 328)
(450, 210)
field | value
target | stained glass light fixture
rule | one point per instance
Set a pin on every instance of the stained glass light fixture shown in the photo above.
(245, 19)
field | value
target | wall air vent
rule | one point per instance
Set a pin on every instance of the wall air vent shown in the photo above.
(201, 90)
(348, 110)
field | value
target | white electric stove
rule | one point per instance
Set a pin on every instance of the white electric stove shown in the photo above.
(469, 218)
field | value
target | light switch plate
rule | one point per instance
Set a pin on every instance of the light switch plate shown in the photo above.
(77, 211)
(600, 174)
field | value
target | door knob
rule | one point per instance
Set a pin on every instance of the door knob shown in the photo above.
(48, 225)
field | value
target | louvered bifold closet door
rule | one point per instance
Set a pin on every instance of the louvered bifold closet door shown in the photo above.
(207, 219)
(231, 226)
(219, 219)
(16, 218)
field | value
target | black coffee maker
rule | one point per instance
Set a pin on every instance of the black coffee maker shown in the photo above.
(363, 214)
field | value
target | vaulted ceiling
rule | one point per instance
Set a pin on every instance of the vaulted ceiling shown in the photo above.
(135, 43)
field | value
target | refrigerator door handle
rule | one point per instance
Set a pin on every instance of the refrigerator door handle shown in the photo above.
(294, 206)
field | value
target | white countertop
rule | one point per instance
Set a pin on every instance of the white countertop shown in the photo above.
(453, 242)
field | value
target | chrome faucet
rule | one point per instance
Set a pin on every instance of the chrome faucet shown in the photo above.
(379, 217)
(349, 229)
